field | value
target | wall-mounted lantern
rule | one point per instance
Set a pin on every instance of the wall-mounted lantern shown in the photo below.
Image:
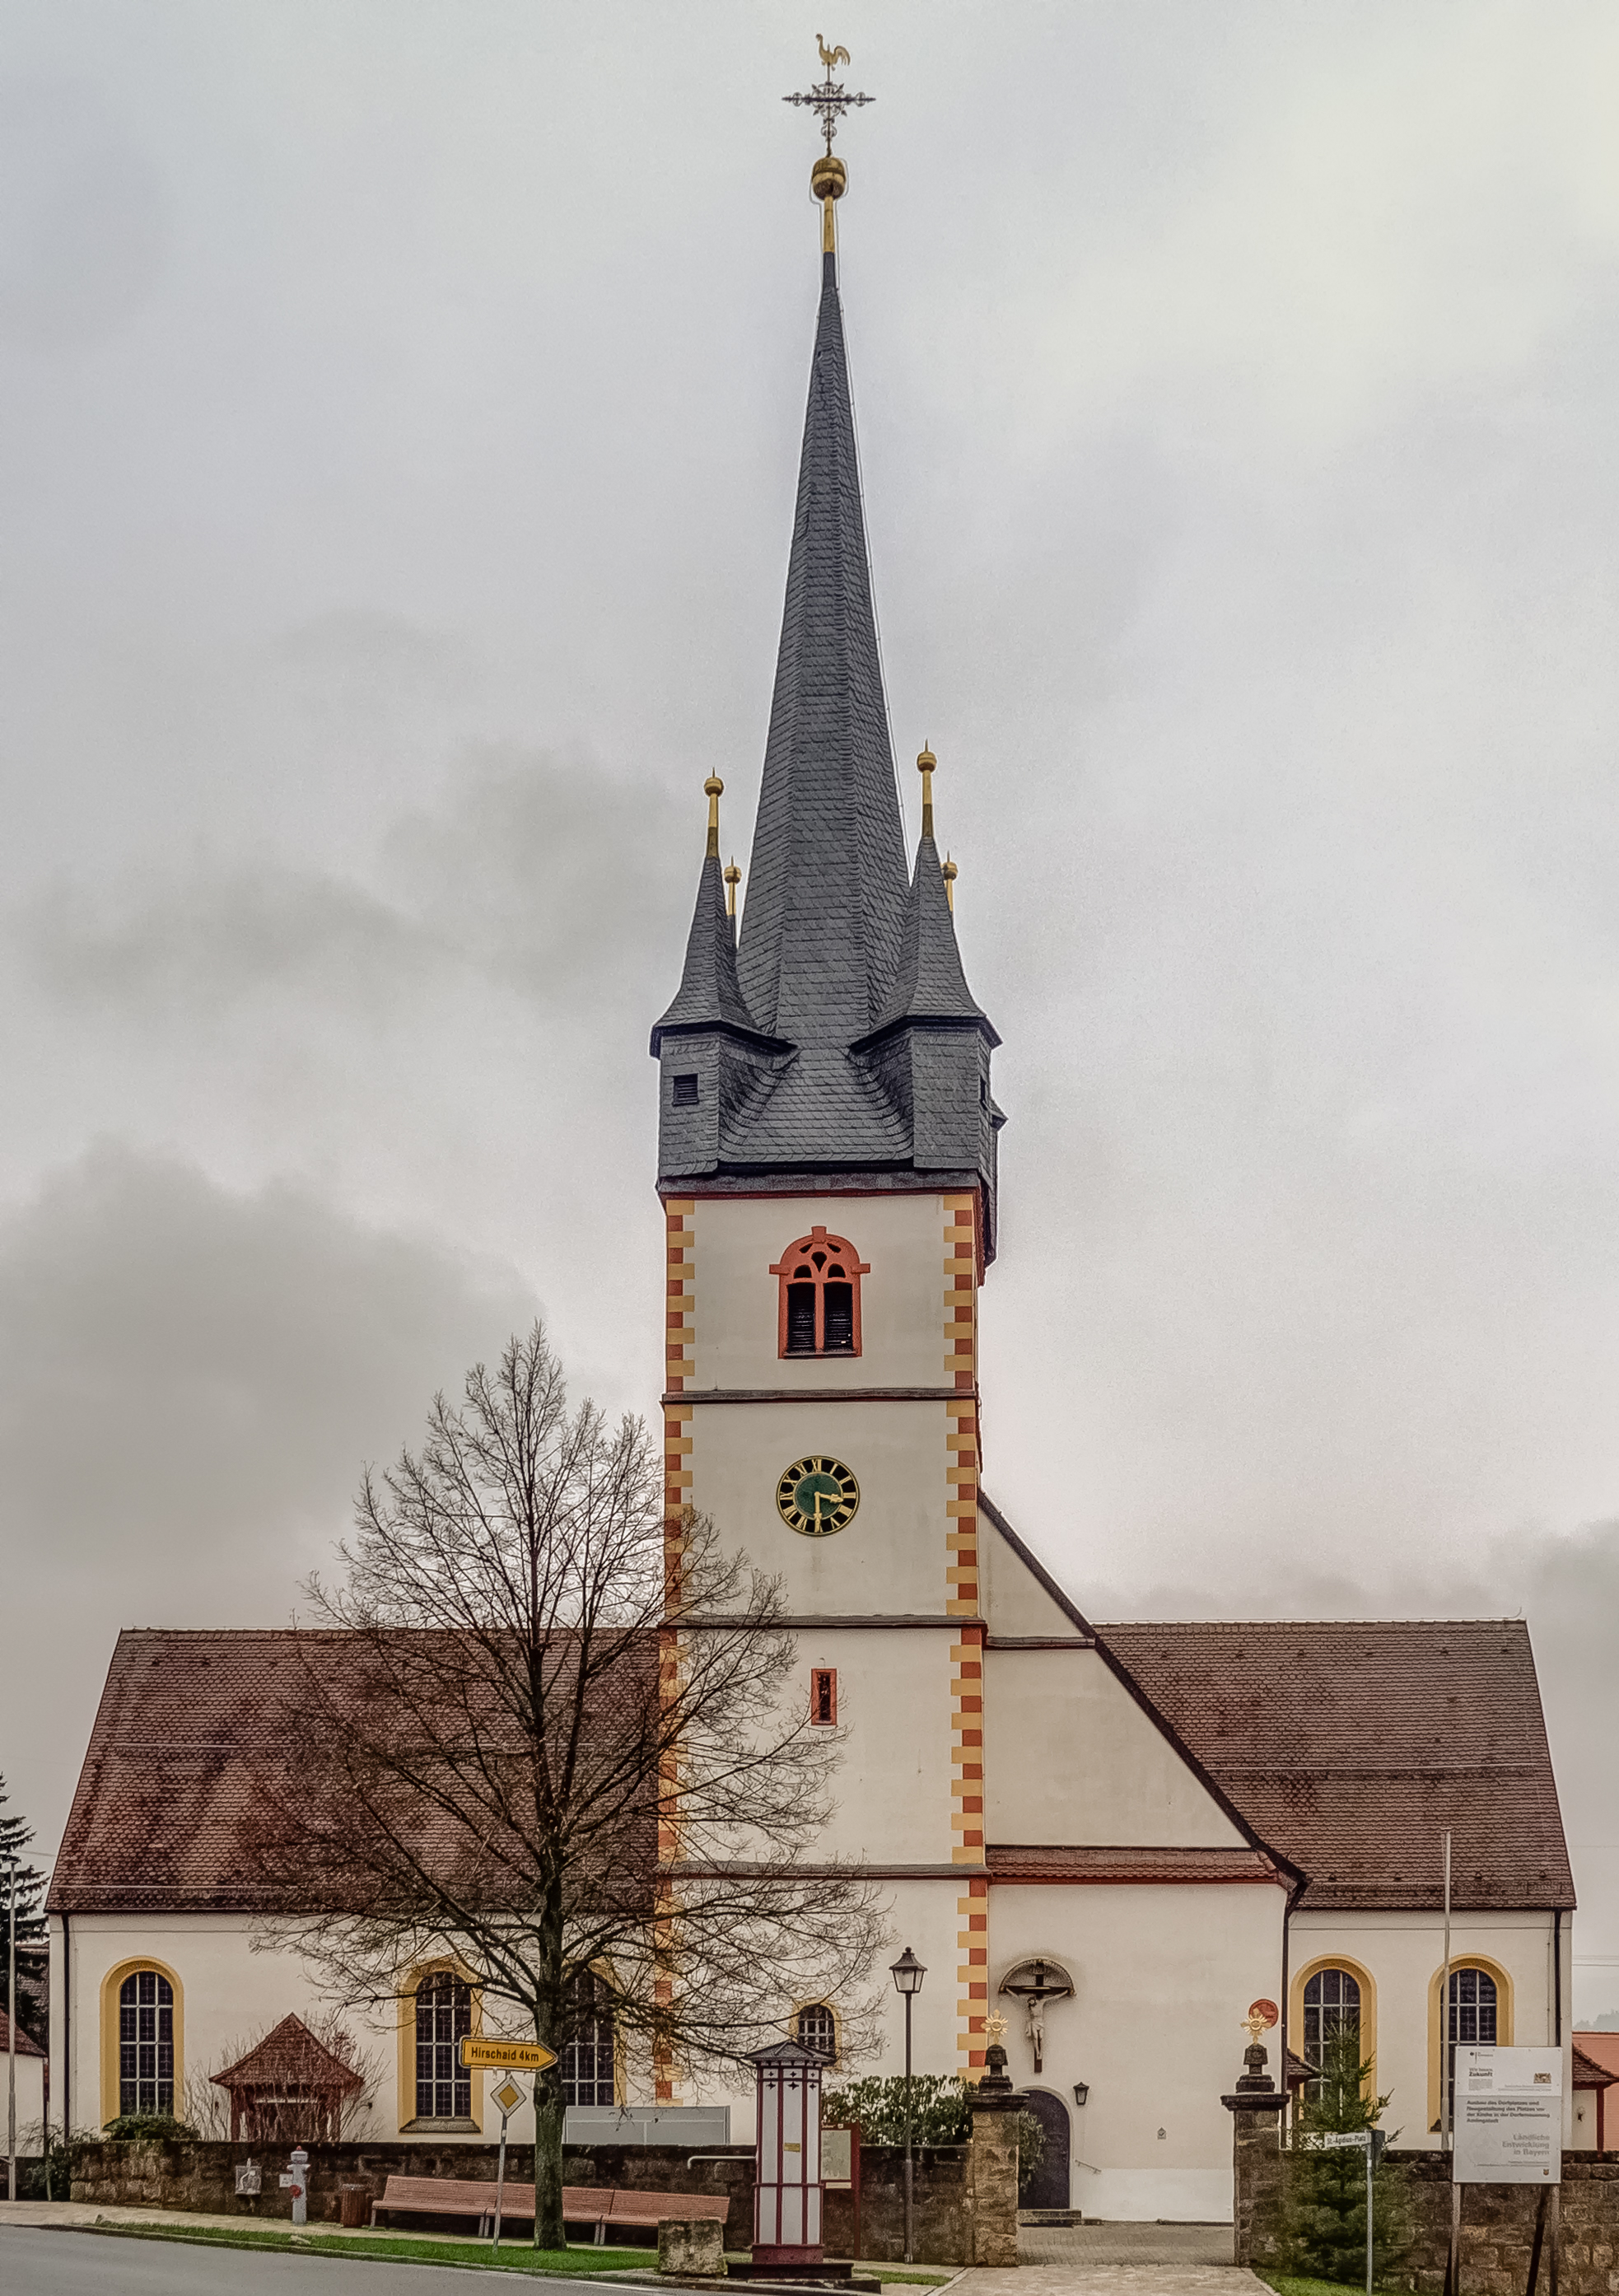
(1082, 2090)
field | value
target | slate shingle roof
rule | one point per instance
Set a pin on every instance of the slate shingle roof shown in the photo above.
(928, 982)
(826, 883)
(710, 993)
(1350, 1748)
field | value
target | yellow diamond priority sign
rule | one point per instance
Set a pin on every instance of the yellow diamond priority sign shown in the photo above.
(507, 2097)
(520, 2056)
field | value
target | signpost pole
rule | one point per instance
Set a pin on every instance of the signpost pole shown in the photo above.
(499, 2185)
(1369, 2155)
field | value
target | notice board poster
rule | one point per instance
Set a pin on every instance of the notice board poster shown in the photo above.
(1508, 2116)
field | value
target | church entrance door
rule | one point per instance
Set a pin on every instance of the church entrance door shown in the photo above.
(1048, 2187)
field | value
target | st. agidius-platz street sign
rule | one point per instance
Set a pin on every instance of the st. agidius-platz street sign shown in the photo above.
(1508, 2116)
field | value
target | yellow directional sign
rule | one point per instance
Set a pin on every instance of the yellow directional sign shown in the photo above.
(522, 2056)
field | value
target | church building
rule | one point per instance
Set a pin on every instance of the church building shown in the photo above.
(1123, 1839)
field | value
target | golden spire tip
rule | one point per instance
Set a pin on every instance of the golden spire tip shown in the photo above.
(714, 789)
(733, 878)
(926, 765)
(950, 873)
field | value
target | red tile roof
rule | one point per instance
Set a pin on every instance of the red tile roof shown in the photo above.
(290, 2057)
(1350, 1748)
(188, 1737)
(1587, 2072)
(1020, 1862)
(1602, 2049)
(25, 2046)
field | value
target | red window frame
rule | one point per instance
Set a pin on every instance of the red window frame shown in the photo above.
(824, 1692)
(814, 1254)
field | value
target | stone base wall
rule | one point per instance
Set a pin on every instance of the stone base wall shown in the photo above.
(202, 2176)
(1498, 2224)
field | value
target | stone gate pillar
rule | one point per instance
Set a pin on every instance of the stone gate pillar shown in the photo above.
(1254, 2104)
(992, 2166)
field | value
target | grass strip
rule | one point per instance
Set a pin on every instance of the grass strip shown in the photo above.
(1287, 2284)
(553, 2263)
(581, 2263)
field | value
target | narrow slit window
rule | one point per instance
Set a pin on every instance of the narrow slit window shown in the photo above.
(820, 1296)
(823, 1694)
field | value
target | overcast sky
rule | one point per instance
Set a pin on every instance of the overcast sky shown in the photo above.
(399, 406)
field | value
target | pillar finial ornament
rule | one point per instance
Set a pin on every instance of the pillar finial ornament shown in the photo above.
(714, 789)
(950, 873)
(733, 878)
(926, 765)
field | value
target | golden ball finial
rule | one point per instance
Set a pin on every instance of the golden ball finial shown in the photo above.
(829, 178)
(950, 873)
(926, 762)
(714, 787)
(732, 877)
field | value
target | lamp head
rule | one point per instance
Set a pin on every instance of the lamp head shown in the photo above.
(1082, 2090)
(907, 1973)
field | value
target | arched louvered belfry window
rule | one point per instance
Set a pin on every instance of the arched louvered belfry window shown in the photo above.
(819, 1308)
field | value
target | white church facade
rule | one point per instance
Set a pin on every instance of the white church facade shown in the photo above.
(1119, 1838)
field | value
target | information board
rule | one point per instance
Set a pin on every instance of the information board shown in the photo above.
(1508, 2127)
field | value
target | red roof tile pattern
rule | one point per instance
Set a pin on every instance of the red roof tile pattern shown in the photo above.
(1350, 1748)
(187, 1739)
(1587, 2072)
(290, 2057)
(1601, 2049)
(1036, 1862)
(25, 2046)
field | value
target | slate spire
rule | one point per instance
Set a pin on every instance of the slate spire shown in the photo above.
(826, 886)
(709, 994)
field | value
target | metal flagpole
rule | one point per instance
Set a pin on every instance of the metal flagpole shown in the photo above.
(11, 2039)
(1447, 2080)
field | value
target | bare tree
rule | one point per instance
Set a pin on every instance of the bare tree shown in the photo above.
(548, 1733)
(290, 2109)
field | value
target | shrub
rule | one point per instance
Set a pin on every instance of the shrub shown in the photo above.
(151, 2129)
(941, 2113)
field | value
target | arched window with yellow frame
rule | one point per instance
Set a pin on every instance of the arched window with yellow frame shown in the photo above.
(143, 2039)
(1334, 1989)
(439, 2006)
(1480, 2018)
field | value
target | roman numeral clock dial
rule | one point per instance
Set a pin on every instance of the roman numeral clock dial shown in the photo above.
(817, 1496)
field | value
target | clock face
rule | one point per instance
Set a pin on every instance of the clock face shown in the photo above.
(817, 1496)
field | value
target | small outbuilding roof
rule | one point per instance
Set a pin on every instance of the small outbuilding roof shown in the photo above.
(290, 2057)
(26, 2045)
(1596, 2059)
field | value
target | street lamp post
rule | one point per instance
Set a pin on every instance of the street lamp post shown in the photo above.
(908, 1973)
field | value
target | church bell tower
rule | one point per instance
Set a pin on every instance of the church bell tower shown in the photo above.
(827, 1140)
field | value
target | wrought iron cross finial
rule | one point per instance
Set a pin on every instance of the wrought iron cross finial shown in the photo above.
(830, 99)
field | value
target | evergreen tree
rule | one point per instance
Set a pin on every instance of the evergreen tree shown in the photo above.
(1324, 2214)
(14, 1839)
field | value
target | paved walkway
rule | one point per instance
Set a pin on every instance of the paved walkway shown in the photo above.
(1180, 2245)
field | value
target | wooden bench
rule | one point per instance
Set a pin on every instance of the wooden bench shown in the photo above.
(596, 2205)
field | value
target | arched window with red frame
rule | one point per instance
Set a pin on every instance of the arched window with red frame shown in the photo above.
(820, 1312)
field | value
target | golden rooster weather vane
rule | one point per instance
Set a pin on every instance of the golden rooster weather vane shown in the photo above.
(830, 99)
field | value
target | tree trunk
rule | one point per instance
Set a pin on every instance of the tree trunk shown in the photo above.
(548, 2229)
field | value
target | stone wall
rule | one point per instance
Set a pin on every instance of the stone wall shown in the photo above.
(1498, 2223)
(202, 2176)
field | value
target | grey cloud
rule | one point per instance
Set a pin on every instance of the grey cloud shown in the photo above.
(191, 1378)
(543, 875)
(82, 220)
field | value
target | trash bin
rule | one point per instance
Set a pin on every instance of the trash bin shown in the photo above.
(354, 2201)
